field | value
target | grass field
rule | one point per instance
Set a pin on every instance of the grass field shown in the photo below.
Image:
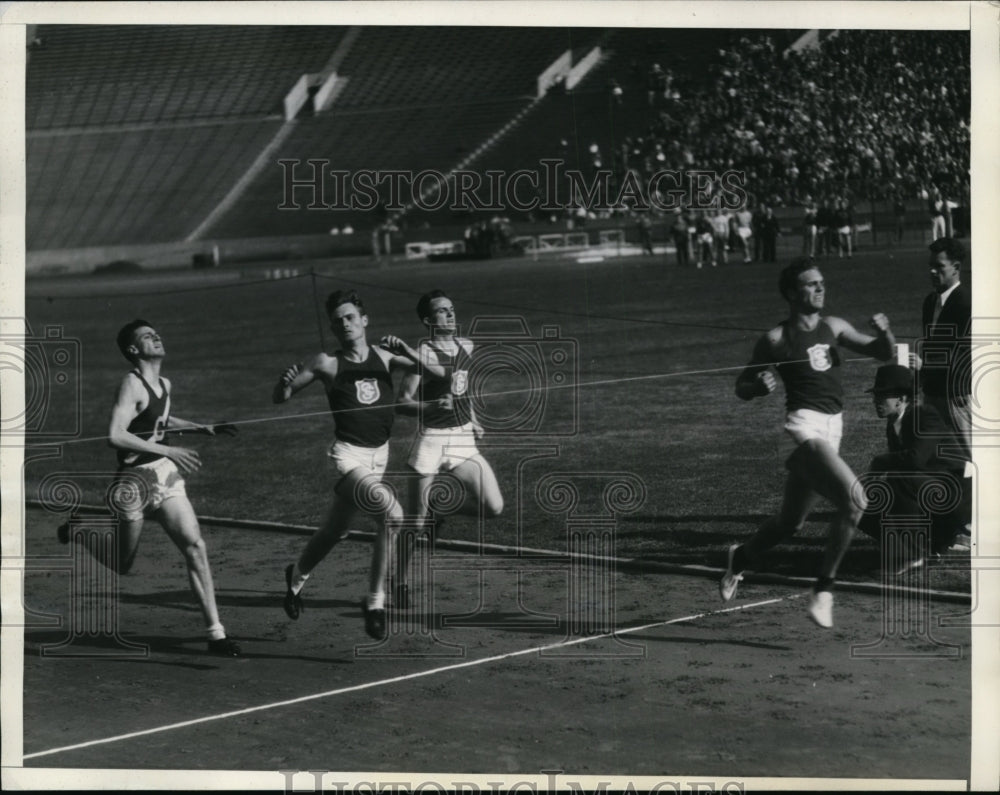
(657, 351)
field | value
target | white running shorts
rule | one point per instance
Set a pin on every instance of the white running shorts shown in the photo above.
(437, 449)
(139, 491)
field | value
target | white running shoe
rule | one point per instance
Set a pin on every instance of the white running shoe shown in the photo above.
(821, 609)
(911, 564)
(730, 581)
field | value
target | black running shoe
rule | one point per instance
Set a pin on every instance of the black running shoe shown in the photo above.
(293, 601)
(224, 647)
(62, 532)
(374, 621)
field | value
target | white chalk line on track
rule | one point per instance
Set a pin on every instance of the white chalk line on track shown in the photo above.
(406, 677)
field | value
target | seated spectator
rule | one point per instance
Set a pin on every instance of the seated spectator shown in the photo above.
(843, 117)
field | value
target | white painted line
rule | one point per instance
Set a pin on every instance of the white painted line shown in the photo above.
(404, 678)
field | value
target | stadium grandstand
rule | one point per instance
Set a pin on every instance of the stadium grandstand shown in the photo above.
(173, 136)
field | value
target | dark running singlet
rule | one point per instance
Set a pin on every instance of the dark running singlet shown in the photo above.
(456, 382)
(150, 425)
(362, 400)
(810, 369)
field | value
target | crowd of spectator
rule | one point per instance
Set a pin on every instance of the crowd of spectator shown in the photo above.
(863, 114)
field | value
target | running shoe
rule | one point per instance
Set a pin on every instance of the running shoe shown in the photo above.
(730, 580)
(374, 621)
(910, 565)
(62, 532)
(820, 609)
(224, 647)
(293, 603)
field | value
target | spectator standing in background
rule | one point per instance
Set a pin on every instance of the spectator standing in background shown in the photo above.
(744, 231)
(704, 238)
(842, 223)
(824, 226)
(645, 232)
(757, 228)
(946, 380)
(720, 231)
(679, 233)
(769, 231)
(899, 213)
(936, 209)
(809, 230)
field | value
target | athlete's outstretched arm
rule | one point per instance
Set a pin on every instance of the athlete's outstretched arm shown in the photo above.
(756, 380)
(299, 376)
(408, 398)
(878, 347)
(178, 425)
(407, 359)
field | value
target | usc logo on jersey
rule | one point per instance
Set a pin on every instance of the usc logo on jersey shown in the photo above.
(819, 357)
(367, 391)
(459, 382)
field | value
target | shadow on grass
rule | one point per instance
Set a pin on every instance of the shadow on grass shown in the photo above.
(102, 650)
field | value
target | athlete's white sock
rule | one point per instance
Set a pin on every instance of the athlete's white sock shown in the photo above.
(298, 578)
(216, 631)
(376, 601)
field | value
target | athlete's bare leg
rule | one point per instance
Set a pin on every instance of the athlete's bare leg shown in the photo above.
(481, 488)
(181, 525)
(118, 558)
(482, 498)
(331, 531)
(829, 475)
(360, 490)
(418, 510)
(798, 502)
(129, 532)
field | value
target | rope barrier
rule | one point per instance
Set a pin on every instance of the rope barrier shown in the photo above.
(501, 393)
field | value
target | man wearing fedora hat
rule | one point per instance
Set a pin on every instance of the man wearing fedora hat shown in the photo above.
(923, 450)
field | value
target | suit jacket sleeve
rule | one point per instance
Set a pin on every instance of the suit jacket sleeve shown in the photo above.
(927, 313)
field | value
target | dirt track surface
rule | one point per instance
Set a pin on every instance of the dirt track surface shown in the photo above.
(752, 692)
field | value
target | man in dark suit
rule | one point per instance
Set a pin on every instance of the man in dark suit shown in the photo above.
(769, 231)
(945, 360)
(923, 454)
